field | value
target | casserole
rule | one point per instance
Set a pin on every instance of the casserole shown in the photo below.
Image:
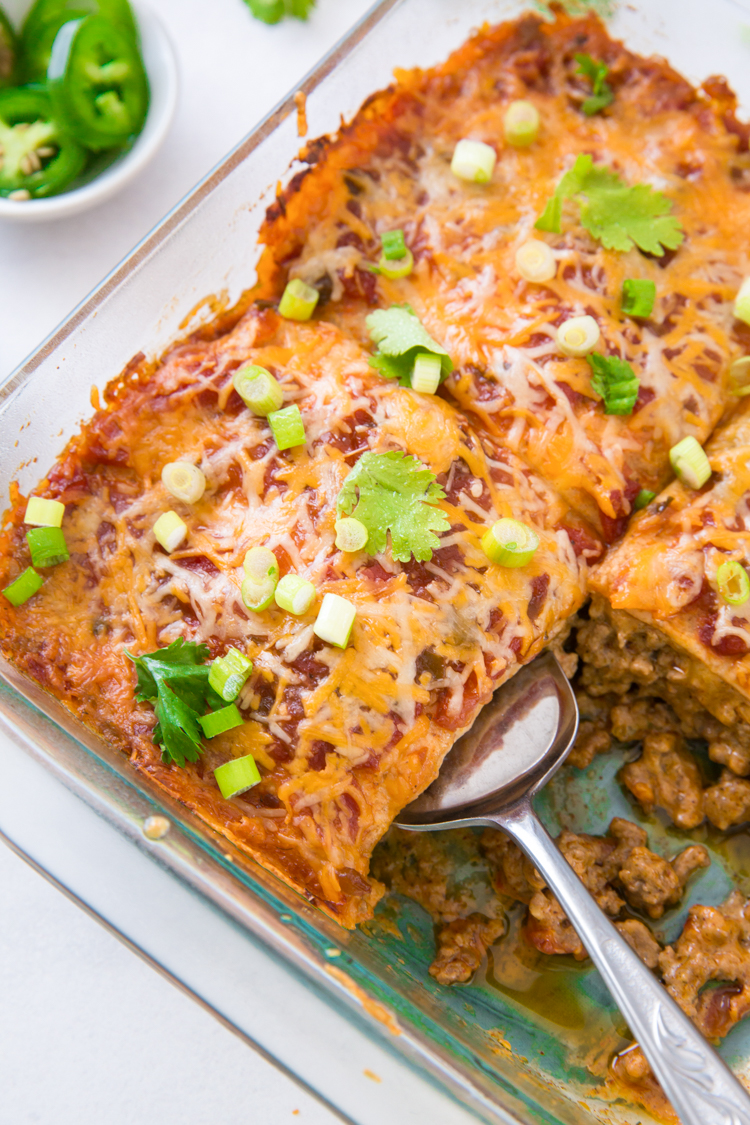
(72, 399)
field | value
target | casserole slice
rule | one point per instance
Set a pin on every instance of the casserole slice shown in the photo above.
(391, 169)
(343, 736)
(670, 618)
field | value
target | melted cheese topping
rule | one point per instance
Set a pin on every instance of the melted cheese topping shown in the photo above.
(346, 738)
(391, 169)
(664, 570)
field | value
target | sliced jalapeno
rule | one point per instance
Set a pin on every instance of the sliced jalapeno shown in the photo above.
(97, 82)
(37, 156)
(47, 17)
(8, 51)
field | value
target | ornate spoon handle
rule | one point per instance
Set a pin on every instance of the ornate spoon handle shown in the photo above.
(701, 1088)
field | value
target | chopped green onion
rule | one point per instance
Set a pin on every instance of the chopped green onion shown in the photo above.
(351, 534)
(299, 300)
(535, 261)
(521, 124)
(733, 582)
(237, 776)
(643, 499)
(739, 376)
(473, 161)
(690, 463)
(218, 722)
(428, 370)
(335, 620)
(44, 513)
(184, 481)
(287, 427)
(229, 674)
(742, 302)
(616, 381)
(24, 587)
(638, 296)
(294, 594)
(261, 565)
(257, 596)
(510, 543)
(170, 531)
(394, 246)
(578, 335)
(397, 269)
(262, 575)
(47, 546)
(258, 389)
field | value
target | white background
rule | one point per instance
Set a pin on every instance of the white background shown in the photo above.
(88, 1032)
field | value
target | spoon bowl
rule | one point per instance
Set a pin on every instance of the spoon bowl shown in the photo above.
(515, 746)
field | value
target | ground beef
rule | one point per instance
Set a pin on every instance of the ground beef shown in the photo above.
(713, 946)
(593, 736)
(635, 717)
(615, 869)
(651, 884)
(421, 866)
(666, 776)
(417, 864)
(630, 1074)
(727, 802)
(641, 940)
(712, 950)
(633, 687)
(630, 666)
(549, 929)
(592, 739)
(462, 945)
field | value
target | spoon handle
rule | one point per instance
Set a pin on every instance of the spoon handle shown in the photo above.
(699, 1085)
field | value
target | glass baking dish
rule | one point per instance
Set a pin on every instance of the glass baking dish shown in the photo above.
(505, 1061)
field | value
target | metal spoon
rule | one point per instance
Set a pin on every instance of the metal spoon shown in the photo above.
(489, 777)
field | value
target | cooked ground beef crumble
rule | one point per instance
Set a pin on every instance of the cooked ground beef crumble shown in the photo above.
(619, 870)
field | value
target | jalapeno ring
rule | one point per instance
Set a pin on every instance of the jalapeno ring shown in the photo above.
(39, 157)
(97, 83)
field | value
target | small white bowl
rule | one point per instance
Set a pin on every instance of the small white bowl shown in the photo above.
(161, 67)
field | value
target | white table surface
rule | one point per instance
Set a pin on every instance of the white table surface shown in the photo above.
(89, 1033)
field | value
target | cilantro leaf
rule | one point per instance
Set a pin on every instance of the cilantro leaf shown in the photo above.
(602, 94)
(180, 654)
(175, 680)
(615, 381)
(400, 337)
(393, 367)
(617, 215)
(396, 493)
(179, 733)
(597, 102)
